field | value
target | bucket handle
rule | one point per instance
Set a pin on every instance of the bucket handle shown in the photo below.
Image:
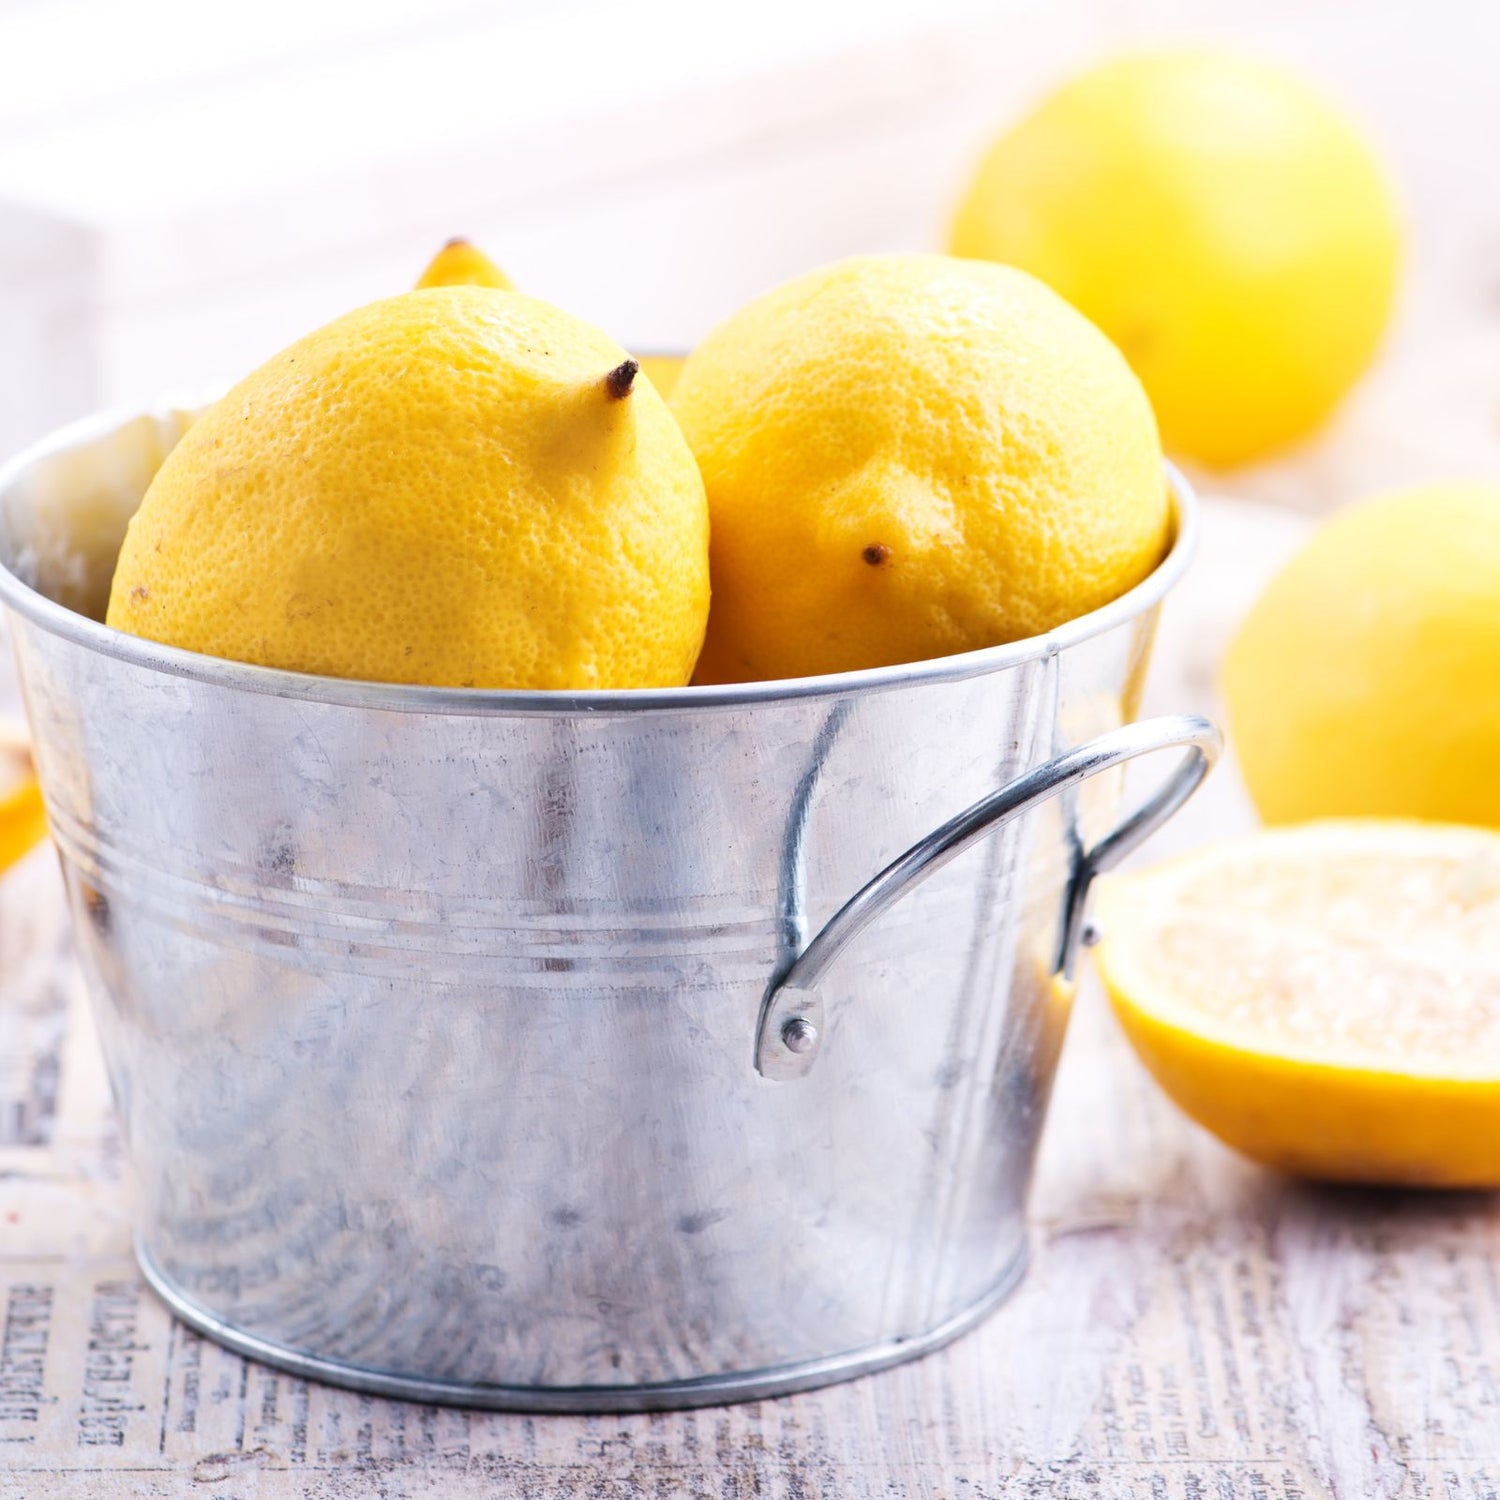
(791, 1023)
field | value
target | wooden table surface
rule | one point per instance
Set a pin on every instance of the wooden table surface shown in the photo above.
(1191, 1326)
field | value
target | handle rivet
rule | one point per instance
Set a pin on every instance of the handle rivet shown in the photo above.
(799, 1035)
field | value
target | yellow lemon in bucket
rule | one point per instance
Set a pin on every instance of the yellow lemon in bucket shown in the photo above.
(459, 486)
(460, 263)
(908, 456)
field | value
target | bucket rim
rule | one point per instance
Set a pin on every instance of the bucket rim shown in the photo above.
(80, 630)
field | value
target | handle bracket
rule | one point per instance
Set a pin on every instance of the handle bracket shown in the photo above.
(793, 1023)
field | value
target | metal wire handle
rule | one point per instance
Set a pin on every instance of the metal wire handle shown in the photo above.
(792, 1024)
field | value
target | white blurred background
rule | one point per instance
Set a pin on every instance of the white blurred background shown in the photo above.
(184, 188)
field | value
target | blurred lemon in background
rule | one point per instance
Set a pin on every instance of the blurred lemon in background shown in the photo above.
(1225, 224)
(458, 486)
(1325, 998)
(1366, 679)
(908, 456)
(23, 819)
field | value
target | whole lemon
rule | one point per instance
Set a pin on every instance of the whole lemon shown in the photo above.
(662, 371)
(462, 263)
(1221, 221)
(457, 486)
(1364, 680)
(908, 456)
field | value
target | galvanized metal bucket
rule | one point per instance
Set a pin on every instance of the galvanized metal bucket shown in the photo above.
(571, 1051)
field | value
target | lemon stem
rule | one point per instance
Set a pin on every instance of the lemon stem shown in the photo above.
(621, 379)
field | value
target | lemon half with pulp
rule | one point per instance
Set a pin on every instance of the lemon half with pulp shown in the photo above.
(1324, 998)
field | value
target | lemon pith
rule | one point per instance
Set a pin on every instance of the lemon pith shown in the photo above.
(1326, 998)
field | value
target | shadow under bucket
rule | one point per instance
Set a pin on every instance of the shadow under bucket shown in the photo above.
(571, 1052)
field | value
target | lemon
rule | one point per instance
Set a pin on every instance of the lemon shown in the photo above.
(23, 819)
(908, 456)
(457, 486)
(662, 370)
(1225, 224)
(459, 263)
(1326, 998)
(1364, 680)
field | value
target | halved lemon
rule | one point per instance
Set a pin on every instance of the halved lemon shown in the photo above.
(1324, 998)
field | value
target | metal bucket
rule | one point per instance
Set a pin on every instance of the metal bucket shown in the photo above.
(600, 1051)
